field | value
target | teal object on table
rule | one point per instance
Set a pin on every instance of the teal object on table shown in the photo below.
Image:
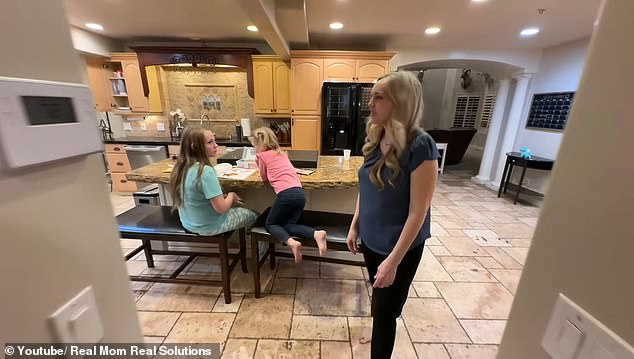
(526, 153)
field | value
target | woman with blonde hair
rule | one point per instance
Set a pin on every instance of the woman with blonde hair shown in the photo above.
(392, 216)
(276, 168)
(196, 192)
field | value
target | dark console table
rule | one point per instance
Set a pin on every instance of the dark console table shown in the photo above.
(515, 159)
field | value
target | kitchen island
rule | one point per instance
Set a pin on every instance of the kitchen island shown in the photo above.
(332, 187)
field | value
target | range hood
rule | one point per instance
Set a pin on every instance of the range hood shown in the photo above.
(208, 56)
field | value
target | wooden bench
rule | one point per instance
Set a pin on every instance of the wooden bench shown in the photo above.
(158, 223)
(336, 226)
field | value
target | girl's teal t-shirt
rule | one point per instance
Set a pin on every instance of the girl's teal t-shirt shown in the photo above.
(196, 212)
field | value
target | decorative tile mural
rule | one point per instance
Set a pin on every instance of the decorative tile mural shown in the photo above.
(222, 95)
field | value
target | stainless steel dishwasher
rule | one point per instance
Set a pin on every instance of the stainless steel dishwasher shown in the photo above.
(143, 155)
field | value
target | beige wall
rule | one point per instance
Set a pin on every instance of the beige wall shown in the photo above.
(58, 231)
(583, 244)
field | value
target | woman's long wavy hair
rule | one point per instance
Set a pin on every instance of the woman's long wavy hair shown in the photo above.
(406, 93)
(192, 151)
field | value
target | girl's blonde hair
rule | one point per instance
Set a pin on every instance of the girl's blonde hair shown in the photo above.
(193, 149)
(265, 138)
(406, 93)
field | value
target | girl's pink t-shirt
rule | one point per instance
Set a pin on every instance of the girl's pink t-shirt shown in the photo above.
(277, 169)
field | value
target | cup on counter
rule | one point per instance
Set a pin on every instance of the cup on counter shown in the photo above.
(346, 155)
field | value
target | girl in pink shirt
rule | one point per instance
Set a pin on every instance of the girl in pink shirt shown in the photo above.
(276, 168)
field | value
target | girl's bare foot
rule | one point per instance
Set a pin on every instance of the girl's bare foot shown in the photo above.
(366, 336)
(320, 237)
(296, 248)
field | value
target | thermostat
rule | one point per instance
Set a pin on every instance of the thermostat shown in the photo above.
(43, 121)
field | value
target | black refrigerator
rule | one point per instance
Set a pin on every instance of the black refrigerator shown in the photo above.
(344, 113)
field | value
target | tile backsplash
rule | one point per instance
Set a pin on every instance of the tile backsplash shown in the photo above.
(150, 122)
(222, 95)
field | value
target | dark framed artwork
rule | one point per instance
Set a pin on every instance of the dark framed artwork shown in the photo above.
(550, 110)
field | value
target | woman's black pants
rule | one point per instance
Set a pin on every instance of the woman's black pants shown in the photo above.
(388, 302)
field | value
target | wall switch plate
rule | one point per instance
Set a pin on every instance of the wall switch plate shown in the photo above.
(160, 126)
(127, 126)
(143, 127)
(78, 320)
(573, 333)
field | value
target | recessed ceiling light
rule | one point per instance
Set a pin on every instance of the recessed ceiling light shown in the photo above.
(252, 28)
(479, 0)
(336, 26)
(529, 31)
(92, 25)
(432, 30)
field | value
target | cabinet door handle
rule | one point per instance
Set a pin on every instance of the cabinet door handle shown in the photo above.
(123, 181)
(117, 148)
(292, 122)
(119, 163)
(292, 110)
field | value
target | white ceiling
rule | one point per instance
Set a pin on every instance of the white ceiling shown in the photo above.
(368, 24)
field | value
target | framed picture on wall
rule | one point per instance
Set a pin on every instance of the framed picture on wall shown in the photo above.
(550, 110)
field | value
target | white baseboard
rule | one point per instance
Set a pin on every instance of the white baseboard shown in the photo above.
(480, 180)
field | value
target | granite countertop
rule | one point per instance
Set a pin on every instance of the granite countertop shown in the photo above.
(329, 174)
(141, 140)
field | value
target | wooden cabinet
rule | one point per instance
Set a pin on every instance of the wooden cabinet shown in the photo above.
(271, 83)
(98, 73)
(155, 98)
(370, 70)
(340, 70)
(132, 73)
(118, 165)
(130, 94)
(309, 69)
(306, 78)
(348, 70)
(306, 132)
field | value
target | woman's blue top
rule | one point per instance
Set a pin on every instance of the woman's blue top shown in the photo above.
(382, 213)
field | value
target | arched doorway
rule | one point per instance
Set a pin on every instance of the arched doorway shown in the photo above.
(464, 95)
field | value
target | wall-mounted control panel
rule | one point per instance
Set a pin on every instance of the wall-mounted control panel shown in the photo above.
(573, 333)
(43, 121)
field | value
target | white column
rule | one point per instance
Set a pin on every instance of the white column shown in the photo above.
(493, 134)
(512, 124)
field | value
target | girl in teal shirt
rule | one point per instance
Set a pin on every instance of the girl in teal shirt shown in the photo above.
(196, 193)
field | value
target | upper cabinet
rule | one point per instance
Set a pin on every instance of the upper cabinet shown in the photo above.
(347, 70)
(370, 70)
(126, 86)
(128, 89)
(306, 78)
(98, 72)
(155, 97)
(309, 69)
(271, 84)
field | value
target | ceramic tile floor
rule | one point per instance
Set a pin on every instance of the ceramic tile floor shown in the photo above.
(458, 305)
